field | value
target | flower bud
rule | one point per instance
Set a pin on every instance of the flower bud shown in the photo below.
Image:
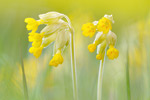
(51, 17)
(111, 38)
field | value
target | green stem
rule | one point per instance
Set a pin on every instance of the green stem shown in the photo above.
(127, 77)
(73, 67)
(100, 79)
(23, 76)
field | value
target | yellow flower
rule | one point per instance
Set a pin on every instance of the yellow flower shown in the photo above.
(92, 47)
(56, 60)
(31, 36)
(99, 56)
(32, 24)
(36, 44)
(104, 37)
(56, 30)
(36, 51)
(89, 29)
(104, 25)
(38, 37)
(37, 40)
(112, 52)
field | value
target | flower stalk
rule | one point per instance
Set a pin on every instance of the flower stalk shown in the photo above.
(100, 79)
(73, 67)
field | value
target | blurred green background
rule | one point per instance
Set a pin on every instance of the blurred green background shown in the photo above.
(132, 23)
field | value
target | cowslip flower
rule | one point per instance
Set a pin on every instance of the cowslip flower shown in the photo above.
(56, 30)
(104, 37)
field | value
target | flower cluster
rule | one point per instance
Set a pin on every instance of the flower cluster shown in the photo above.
(104, 37)
(56, 29)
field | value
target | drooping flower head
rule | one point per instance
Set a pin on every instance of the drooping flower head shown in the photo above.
(56, 30)
(104, 37)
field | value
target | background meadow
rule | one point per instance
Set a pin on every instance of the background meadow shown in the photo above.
(132, 26)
